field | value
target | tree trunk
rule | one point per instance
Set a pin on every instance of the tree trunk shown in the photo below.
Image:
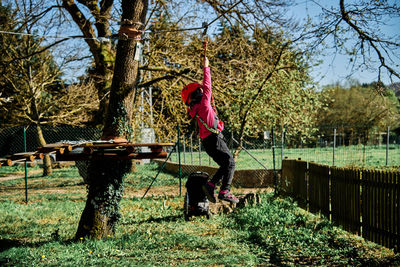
(105, 177)
(47, 168)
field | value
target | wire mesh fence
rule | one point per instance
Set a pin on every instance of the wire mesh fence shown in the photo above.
(332, 146)
(336, 149)
(12, 139)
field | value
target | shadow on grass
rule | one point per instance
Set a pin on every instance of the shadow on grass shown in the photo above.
(6, 244)
(171, 218)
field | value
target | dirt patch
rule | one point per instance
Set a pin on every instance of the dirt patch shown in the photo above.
(19, 176)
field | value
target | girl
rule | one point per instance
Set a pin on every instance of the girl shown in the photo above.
(197, 97)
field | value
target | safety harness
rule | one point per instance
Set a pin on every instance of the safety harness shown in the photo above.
(212, 130)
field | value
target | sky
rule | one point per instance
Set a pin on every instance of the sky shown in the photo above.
(336, 67)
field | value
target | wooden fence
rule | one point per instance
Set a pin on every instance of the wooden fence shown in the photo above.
(364, 202)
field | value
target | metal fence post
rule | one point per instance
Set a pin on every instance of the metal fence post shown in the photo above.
(273, 158)
(334, 146)
(283, 141)
(179, 160)
(387, 146)
(184, 149)
(26, 170)
(191, 148)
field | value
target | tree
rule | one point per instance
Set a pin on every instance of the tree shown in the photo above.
(357, 110)
(262, 82)
(33, 78)
(105, 186)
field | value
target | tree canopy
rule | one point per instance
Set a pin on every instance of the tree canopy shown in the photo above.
(359, 109)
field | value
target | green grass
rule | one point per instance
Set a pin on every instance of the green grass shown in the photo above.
(283, 234)
(356, 155)
(153, 232)
(16, 169)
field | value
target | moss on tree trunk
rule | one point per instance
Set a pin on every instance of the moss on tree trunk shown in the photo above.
(105, 190)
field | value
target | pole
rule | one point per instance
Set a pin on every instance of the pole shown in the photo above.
(179, 160)
(191, 148)
(26, 170)
(387, 146)
(273, 158)
(162, 167)
(283, 141)
(334, 146)
(184, 149)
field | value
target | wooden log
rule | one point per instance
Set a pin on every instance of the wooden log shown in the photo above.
(111, 156)
(29, 156)
(55, 148)
(61, 150)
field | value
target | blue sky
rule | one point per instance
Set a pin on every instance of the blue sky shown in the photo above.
(336, 67)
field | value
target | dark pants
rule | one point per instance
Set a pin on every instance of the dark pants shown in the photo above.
(217, 149)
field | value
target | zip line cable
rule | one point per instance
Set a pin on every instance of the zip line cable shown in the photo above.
(52, 37)
(204, 26)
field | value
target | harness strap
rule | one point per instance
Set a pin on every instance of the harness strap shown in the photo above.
(212, 130)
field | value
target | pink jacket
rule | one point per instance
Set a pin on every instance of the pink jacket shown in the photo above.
(204, 108)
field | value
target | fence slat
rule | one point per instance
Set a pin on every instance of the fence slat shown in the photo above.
(397, 211)
(300, 182)
(391, 208)
(347, 202)
(319, 188)
(287, 176)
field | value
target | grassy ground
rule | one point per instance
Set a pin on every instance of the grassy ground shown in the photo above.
(153, 232)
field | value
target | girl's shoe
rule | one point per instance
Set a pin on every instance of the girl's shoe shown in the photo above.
(225, 195)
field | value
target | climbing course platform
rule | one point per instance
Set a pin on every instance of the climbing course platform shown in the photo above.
(91, 150)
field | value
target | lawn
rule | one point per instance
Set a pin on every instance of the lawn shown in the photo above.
(153, 232)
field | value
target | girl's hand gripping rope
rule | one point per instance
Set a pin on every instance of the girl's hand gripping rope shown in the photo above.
(205, 42)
